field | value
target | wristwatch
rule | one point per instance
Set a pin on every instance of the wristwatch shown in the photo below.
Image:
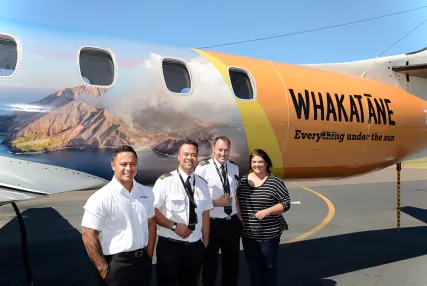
(174, 226)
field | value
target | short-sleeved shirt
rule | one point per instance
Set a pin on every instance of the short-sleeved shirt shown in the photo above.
(253, 199)
(120, 216)
(206, 169)
(171, 199)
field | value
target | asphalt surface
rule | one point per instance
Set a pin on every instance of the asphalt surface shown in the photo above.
(356, 244)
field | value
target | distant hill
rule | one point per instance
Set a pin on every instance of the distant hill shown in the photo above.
(73, 123)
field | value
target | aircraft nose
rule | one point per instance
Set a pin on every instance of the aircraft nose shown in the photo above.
(397, 122)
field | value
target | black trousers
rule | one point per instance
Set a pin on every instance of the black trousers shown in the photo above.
(178, 263)
(127, 269)
(224, 235)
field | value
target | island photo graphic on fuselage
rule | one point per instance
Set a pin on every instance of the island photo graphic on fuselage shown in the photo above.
(78, 127)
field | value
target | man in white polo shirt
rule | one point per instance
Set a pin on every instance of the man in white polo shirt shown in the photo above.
(222, 176)
(182, 203)
(118, 226)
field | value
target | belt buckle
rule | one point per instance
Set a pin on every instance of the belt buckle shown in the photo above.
(139, 253)
(228, 217)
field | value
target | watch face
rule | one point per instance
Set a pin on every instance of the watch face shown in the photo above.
(174, 226)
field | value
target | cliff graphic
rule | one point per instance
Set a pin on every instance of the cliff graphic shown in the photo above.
(75, 123)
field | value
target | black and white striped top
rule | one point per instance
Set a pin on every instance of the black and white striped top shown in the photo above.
(254, 199)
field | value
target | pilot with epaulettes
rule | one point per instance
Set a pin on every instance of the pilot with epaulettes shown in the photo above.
(181, 204)
(222, 176)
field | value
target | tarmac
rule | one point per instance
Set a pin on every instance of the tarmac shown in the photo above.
(342, 232)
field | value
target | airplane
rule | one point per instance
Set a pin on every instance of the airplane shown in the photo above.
(68, 98)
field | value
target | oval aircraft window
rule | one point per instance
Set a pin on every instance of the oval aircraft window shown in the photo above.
(241, 84)
(176, 76)
(96, 66)
(8, 55)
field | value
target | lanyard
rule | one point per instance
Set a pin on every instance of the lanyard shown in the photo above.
(220, 176)
(188, 190)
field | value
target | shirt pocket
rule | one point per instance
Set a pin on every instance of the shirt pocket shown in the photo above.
(176, 203)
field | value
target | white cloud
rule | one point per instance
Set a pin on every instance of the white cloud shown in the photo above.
(211, 98)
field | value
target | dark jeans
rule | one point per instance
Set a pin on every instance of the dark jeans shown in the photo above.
(224, 235)
(178, 263)
(128, 270)
(261, 258)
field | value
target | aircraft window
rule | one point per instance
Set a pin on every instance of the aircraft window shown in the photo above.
(176, 76)
(8, 56)
(97, 66)
(241, 84)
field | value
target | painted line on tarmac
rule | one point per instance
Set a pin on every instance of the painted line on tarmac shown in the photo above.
(325, 221)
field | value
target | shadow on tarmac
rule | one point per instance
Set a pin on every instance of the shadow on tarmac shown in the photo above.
(58, 257)
(417, 213)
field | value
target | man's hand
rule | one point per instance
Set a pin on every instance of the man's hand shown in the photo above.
(103, 272)
(182, 230)
(150, 253)
(223, 201)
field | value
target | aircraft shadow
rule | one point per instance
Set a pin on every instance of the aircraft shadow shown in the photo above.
(56, 251)
(58, 257)
(310, 262)
(418, 213)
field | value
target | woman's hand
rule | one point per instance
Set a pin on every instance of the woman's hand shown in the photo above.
(262, 214)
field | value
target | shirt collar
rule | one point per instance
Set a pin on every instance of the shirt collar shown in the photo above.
(119, 187)
(184, 175)
(218, 164)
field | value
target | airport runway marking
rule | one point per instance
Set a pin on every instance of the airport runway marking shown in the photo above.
(325, 221)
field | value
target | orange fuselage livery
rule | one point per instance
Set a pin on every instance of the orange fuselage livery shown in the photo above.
(320, 124)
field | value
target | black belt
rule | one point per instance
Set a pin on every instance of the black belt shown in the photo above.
(179, 241)
(131, 254)
(224, 218)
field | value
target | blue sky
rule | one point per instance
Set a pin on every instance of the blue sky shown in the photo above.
(198, 23)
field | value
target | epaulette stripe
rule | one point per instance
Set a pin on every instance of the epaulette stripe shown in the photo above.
(165, 175)
(202, 163)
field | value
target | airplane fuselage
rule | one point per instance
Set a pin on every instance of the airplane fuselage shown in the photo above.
(70, 98)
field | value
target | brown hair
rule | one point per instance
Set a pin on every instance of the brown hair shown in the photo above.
(262, 154)
(224, 138)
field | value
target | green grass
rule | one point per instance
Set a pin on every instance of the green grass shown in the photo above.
(46, 145)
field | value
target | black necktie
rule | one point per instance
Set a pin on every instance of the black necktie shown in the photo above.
(193, 217)
(228, 209)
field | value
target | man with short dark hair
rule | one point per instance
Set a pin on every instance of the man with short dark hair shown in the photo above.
(118, 226)
(222, 176)
(182, 203)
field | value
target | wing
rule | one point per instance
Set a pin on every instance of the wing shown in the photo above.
(417, 70)
(8, 195)
(23, 180)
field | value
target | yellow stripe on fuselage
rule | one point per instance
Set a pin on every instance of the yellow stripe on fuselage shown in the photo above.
(259, 132)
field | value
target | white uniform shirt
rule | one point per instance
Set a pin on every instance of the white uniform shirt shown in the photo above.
(172, 201)
(120, 216)
(206, 170)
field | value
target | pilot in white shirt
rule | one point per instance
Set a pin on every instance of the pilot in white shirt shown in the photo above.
(182, 203)
(119, 230)
(222, 176)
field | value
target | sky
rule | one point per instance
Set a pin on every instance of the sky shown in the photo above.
(205, 23)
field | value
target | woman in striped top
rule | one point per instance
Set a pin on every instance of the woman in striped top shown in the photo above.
(263, 197)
